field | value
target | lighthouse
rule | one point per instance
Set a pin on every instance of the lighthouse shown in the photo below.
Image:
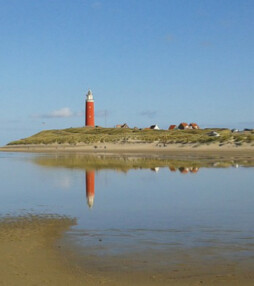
(90, 178)
(89, 109)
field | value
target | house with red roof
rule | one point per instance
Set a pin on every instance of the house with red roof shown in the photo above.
(172, 127)
(183, 125)
(193, 126)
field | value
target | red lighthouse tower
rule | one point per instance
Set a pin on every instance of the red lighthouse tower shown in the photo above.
(90, 178)
(89, 109)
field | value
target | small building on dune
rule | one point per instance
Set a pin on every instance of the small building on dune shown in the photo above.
(183, 125)
(172, 127)
(154, 127)
(122, 125)
(125, 125)
(193, 126)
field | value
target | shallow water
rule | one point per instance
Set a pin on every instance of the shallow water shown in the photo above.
(137, 207)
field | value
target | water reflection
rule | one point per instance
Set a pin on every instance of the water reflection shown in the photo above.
(185, 170)
(90, 188)
(149, 214)
(182, 170)
(155, 169)
(90, 180)
(185, 164)
(188, 210)
(94, 163)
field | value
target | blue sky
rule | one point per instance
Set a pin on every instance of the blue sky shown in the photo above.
(146, 61)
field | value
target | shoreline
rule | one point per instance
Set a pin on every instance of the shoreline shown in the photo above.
(132, 148)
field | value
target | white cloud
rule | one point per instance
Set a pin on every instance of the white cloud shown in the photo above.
(62, 113)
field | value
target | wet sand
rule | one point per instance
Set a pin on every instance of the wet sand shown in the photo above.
(29, 254)
(34, 251)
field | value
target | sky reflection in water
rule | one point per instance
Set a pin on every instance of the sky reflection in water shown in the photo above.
(132, 207)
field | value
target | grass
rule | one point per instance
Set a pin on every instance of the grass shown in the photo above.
(88, 135)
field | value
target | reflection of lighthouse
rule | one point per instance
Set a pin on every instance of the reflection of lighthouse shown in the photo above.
(89, 109)
(90, 187)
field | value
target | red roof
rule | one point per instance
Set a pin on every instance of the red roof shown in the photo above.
(172, 127)
(183, 125)
(194, 125)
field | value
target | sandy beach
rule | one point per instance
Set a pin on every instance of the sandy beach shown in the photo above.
(135, 147)
(35, 251)
(29, 253)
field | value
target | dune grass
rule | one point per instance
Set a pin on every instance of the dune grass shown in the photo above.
(88, 135)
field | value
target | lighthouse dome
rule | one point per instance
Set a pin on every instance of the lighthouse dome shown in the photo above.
(89, 95)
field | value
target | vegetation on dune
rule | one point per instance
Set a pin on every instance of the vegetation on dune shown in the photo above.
(88, 135)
